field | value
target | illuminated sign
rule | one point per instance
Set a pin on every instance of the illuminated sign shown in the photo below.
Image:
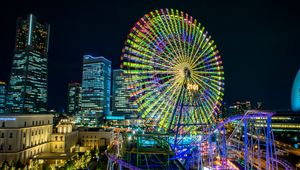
(8, 118)
(193, 87)
(115, 117)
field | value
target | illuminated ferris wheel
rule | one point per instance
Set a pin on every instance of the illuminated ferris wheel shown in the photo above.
(175, 72)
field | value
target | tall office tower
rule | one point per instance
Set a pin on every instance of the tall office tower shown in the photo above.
(74, 98)
(121, 103)
(96, 80)
(2, 96)
(27, 88)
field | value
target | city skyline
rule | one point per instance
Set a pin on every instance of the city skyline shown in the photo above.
(265, 72)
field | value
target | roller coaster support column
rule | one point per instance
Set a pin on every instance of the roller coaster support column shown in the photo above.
(200, 167)
(245, 145)
(224, 148)
(210, 150)
(109, 165)
(268, 143)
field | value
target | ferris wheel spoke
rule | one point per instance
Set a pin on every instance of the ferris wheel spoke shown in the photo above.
(210, 56)
(164, 102)
(143, 49)
(204, 48)
(168, 32)
(149, 94)
(197, 42)
(136, 61)
(200, 81)
(140, 85)
(158, 34)
(204, 52)
(168, 102)
(170, 27)
(177, 39)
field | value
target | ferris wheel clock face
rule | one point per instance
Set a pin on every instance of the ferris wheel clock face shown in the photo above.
(175, 73)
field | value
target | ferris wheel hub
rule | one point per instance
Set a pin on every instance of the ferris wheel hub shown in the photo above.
(187, 73)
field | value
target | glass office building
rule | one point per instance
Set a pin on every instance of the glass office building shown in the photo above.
(74, 98)
(121, 102)
(2, 96)
(96, 86)
(27, 88)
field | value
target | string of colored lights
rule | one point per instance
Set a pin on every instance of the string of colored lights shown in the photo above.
(166, 50)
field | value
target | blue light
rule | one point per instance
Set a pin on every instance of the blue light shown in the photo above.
(115, 117)
(8, 118)
(30, 29)
(296, 146)
(295, 97)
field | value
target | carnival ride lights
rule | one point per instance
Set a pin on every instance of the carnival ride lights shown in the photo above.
(175, 72)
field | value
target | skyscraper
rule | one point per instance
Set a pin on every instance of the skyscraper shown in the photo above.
(96, 85)
(295, 97)
(2, 96)
(74, 98)
(121, 103)
(27, 88)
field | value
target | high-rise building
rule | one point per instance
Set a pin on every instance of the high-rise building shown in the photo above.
(121, 103)
(27, 88)
(74, 98)
(295, 97)
(96, 85)
(2, 96)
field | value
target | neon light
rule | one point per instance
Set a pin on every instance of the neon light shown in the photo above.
(193, 87)
(115, 117)
(30, 29)
(7, 118)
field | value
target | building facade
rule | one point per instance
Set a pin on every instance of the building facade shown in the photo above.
(24, 135)
(96, 86)
(295, 97)
(2, 96)
(95, 139)
(74, 100)
(121, 103)
(64, 138)
(27, 88)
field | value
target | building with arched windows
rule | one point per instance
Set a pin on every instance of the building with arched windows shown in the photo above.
(24, 135)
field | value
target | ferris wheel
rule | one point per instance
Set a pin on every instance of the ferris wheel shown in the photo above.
(175, 73)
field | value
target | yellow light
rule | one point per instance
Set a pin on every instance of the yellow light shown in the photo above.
(193, 87)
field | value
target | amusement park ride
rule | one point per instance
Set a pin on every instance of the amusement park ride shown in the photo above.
(176, 78)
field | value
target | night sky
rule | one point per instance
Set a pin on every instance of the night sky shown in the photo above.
(258, 41)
